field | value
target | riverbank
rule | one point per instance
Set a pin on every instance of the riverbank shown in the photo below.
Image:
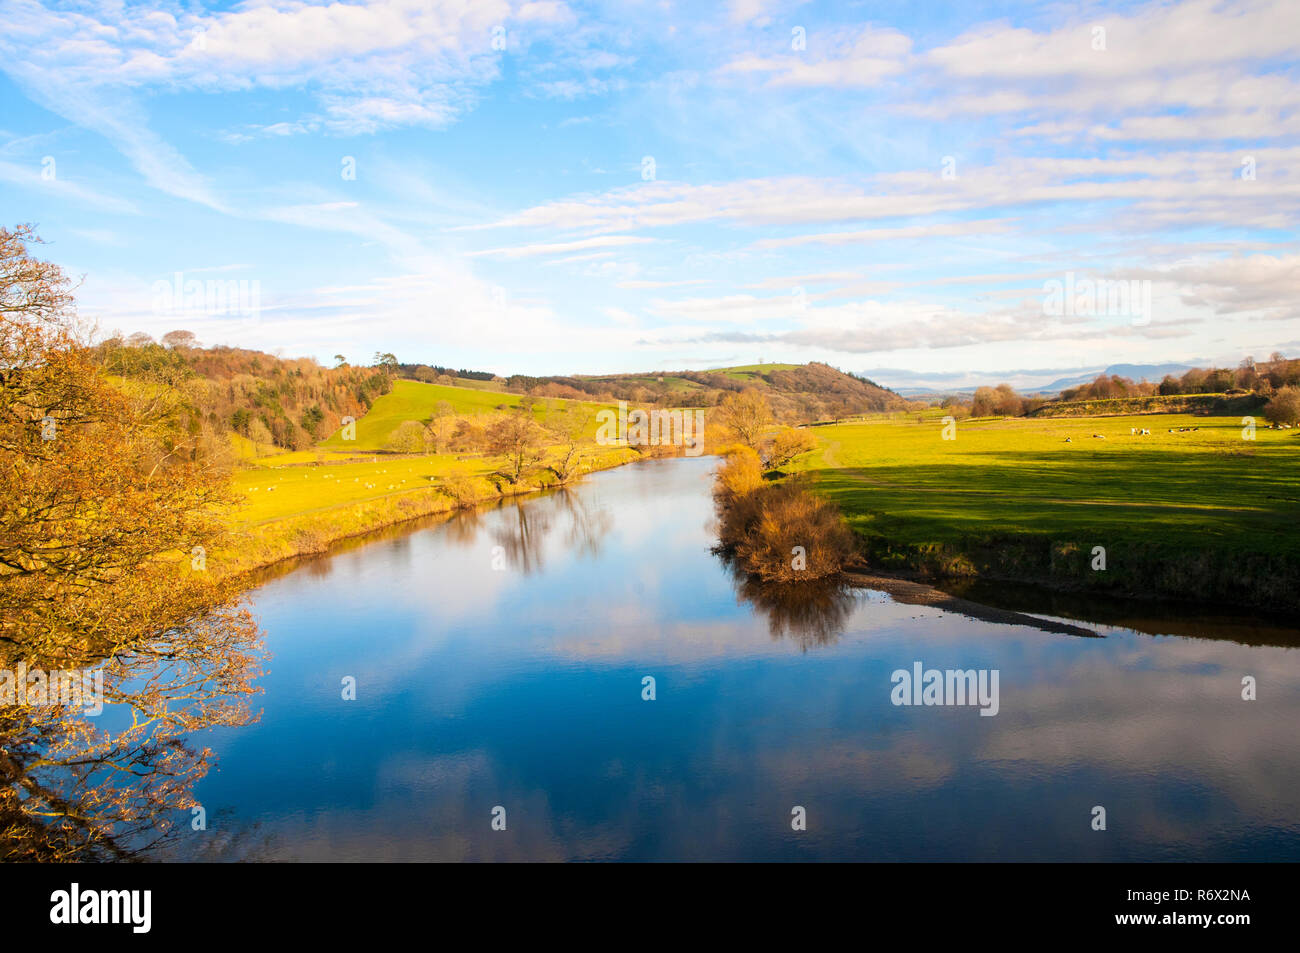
(1200, 508)
(296, 510)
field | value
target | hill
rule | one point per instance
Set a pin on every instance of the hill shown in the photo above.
(922, 386)
(797, 392)
(417, 401)
(236, 395)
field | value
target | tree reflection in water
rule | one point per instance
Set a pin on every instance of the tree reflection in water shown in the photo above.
(810, 614)
(522, 533)
(588, 525)
(73, 789)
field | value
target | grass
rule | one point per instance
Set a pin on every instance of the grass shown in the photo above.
(291, 509)
(669, 381)
(747, 372)
(414, 400)
(300, 502)
(744, 372)
(1201, 513)
(277, 492)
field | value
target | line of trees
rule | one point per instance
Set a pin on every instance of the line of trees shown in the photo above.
(437, 374)
(1276, 378)
(285, 402)
(1265, 377)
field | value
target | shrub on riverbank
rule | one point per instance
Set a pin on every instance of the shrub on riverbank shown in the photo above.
(739, 474)
(779, 532)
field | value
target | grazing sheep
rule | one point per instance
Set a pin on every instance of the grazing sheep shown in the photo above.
(1099, 436)
(1146, 433)
(1132, 431)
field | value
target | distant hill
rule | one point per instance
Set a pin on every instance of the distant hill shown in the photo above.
(1046, 382)
(1134, 372)
(797, 392)
(286, 402)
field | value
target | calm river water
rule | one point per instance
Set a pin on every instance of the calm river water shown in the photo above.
(500, 662)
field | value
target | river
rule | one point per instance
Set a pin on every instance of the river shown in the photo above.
(501, 661)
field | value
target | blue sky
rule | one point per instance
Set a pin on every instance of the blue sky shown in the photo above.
(554, 187)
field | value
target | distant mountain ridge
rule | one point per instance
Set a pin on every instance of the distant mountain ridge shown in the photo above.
(1026, 382)
(1134, 372)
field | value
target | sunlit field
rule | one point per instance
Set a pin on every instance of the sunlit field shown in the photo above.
(414, 400)
(1192, 485)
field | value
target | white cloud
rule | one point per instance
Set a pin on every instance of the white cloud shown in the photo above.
(865, 58)
(939, 230)
(1188, 187)
(558, 248)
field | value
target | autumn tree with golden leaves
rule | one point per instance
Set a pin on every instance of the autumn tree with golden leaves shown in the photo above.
(110, 510)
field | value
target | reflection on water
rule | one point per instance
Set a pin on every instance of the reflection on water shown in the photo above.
(810, 614)
(499, 659)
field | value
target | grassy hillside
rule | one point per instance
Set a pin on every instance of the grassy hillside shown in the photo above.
(413, 400)
(244, 398)
(300, 502)
(1199, 513)
(751, 372)
(796, 392)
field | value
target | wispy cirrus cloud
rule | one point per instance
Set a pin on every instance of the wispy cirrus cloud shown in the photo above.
(559, 248)
(821, 183)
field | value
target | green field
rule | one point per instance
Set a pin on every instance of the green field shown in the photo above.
(669, 381)
(299, 502)
(276, 492)
(743, 372)
(413, 400)
(747, 372)
(344, 472)
(1176, 512)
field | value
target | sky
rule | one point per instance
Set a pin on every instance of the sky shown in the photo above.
(552, 187)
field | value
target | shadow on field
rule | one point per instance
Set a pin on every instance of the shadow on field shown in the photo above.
(1217, 528)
